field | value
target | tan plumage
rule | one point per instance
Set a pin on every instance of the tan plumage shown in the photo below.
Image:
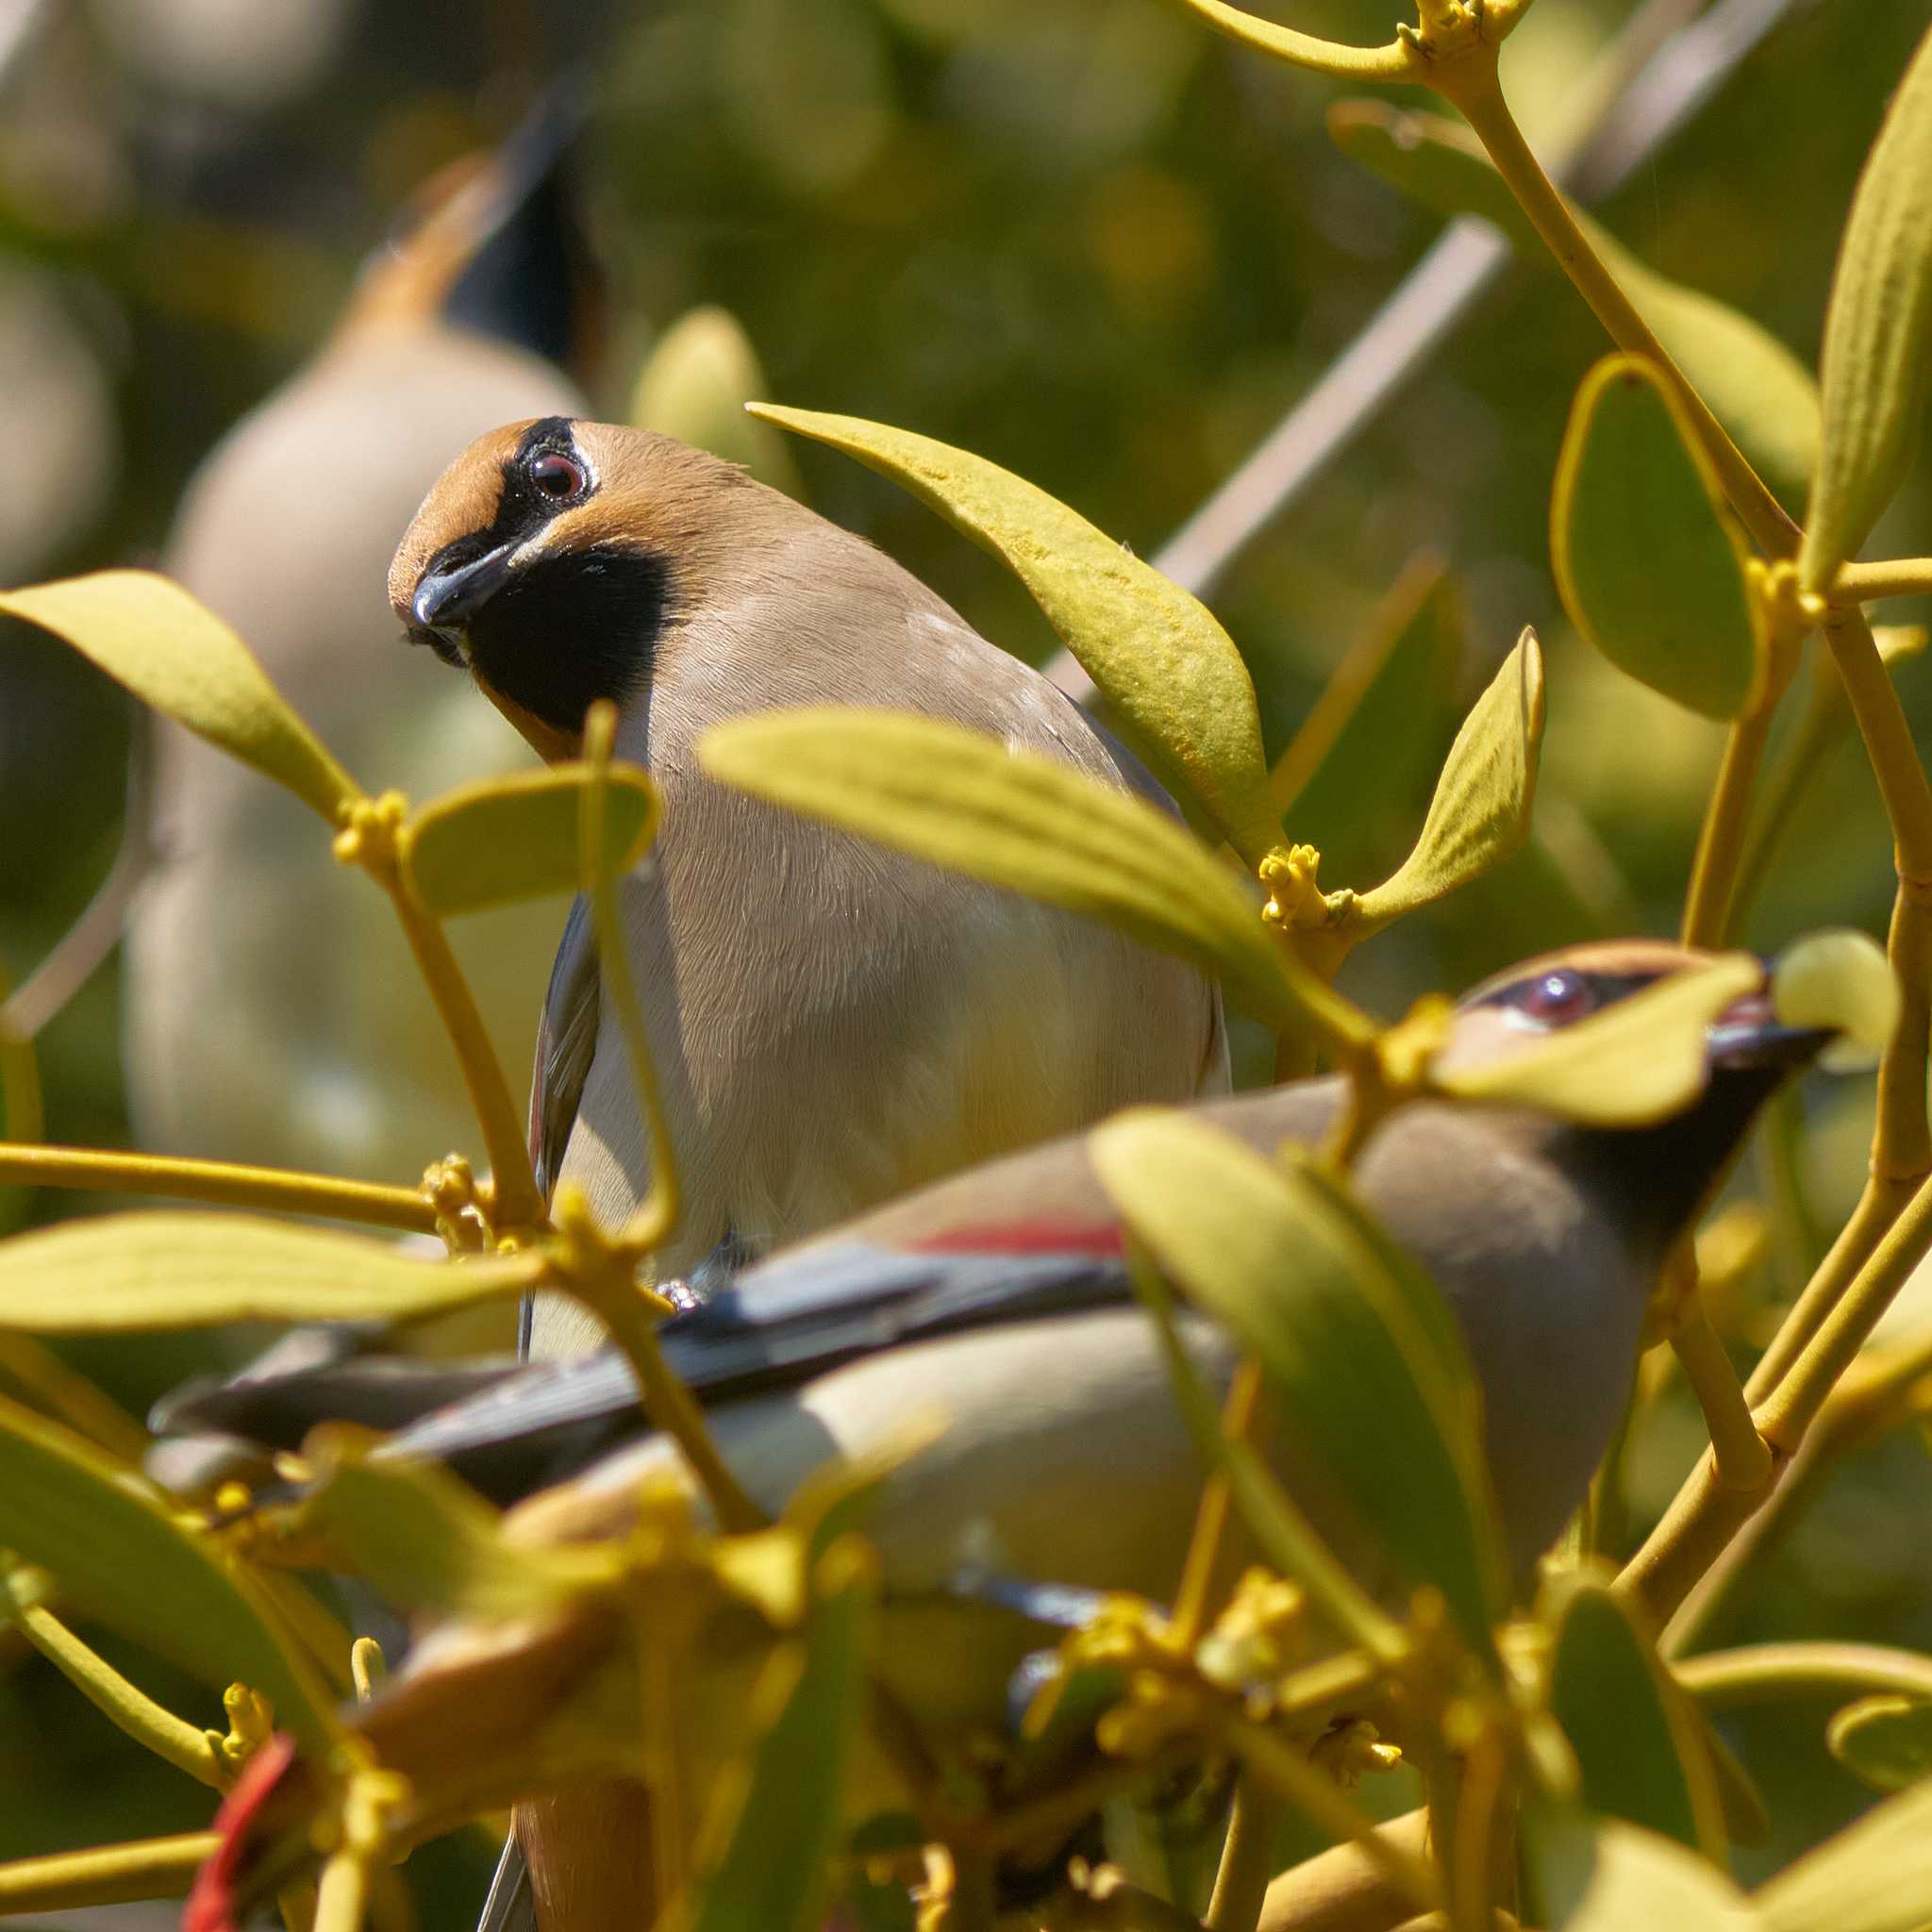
(833, 1022)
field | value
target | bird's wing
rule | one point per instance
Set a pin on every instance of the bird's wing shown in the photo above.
(788, 1321)
(566, 1041)
(509, 1906)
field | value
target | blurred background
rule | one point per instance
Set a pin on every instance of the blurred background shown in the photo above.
(1083, 238)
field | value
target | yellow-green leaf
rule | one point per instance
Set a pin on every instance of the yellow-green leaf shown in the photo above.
(1357, 771)
(1376, 1398)
(426, 1542)
(1877, 355)
(1481, 809)
(516, 837)
(1637, 1745)
(1755, 386)
(120, 1553)
(1841, 980)
(1649, 561)
(1885, 1741)
(1639, 1060)
(965, 800)
(1876, 1875)
(174, 654)
(694, 384)
(1584, 1874)
(1165, 664)
(184, 1270)
(770, 1869)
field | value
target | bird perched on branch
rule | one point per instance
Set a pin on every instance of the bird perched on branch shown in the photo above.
(273, 1013)
(999, 1299)
(833, 1022)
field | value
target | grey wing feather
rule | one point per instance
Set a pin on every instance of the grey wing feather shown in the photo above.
(510, 1906)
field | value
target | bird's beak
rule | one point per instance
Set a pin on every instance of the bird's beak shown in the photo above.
(1748, 1033)
(447, 599)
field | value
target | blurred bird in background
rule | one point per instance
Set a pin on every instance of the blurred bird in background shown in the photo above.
(999, 1301)
(272, 1011)
(832, 1023)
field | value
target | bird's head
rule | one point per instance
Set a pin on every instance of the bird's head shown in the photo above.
(1662, 1170)
(554, 557)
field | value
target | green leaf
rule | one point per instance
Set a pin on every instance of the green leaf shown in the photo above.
(1375, 1394)
(1874, 1876)
(1637, 1061)
(1841, 980)
(1755, 386)
(1481, 811)
(965, 800)
(120, 1553)
(1583, 1873)
(1637, 1742)
(772, 1870)
(1170, 670)
(427, 1541)
(1877, 355)
(176, 654)
(516, 837)
(1885, 1741)
(1359, 766)
(694, 384)
(1650, 564)
(165, 1269)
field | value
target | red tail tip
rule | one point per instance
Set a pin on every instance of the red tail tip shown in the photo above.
(210, 1906)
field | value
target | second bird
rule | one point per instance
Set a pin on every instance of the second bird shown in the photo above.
(833, 1022)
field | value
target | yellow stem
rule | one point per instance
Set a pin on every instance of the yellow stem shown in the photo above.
(220, 1183)
(1709, 905)
(1247, 1856)
(1396, 61)
(1893, 576)
(1760, 1673)
(106, 1875)
(1471, 84)
(1894, 758)
(1741, 1456)
(1196, 1590)
(128, 1709)
(1314, 1794)
(517, 1203)
(1478, 1814)
(342, 1897)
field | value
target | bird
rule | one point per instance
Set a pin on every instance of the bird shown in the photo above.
(999, 1299)
(274, 1014)
(833, 1022)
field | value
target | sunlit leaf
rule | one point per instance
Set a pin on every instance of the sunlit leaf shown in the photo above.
(965, 800)
(426, 1542)
(1374, 1392)
(184, 1270)
(771, 1870)
(694, 384)
(176, 654)
(118, 1553)
(1650, 564)
(1639, 1751)
(1584, 1874)
(1885, 1741)
(516, 837)
(1481, 810)
(1841, 980)
(1877, 355)
(1876, 1875)
(1167, 667)
(1755, 386)
(1359, 766)
(1640, 1059)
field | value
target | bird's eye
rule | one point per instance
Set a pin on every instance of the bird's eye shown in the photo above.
(556, 477)
(1557, 998)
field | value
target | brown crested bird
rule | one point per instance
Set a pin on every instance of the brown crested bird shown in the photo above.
(999, 1299)
(833, 1022)
(273, 1013)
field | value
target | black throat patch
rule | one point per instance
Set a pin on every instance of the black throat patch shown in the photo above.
(571, 626)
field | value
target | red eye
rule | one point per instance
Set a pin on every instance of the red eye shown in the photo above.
(1557, 998)
(556, 477)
